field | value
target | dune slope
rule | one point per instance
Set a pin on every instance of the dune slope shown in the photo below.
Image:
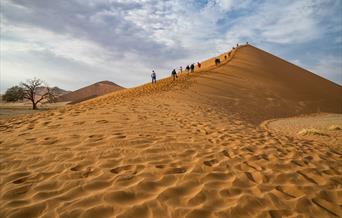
(260, 86)
(91, 91)
(190, 148)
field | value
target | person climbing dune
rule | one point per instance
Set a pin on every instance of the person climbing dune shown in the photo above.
(187, 68)
(174, 74)
(217, 61)
(154, 77)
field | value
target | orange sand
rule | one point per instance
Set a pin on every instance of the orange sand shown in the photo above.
(190, 148)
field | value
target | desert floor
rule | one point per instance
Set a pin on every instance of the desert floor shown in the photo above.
(8, 110)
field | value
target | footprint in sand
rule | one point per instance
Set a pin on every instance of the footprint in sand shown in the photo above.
(210, 162)
(95, 137)
(50, 140)
(30, 127)
(118, 170)
(176, 170)
(19, 181)
(226, 153)
(84, 173)
(76, 168)
(102, 121)
(79, 122)
(119, 135)
(160, 166)
(46, 123)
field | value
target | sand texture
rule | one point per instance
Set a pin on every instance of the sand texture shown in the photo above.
(190, 148)
(318, 127)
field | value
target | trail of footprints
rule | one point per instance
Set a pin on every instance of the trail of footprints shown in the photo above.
(208, 172)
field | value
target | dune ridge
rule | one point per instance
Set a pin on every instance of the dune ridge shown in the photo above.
(190, 148)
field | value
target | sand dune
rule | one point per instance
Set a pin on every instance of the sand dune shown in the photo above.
(89, 92)
(190, 148)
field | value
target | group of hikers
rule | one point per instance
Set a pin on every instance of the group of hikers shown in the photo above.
(191, 68)
(188, 69)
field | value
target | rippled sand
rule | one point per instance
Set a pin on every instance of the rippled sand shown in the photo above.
(190, 148)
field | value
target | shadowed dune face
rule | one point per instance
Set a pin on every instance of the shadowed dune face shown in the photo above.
(260, 86)
(188, 148)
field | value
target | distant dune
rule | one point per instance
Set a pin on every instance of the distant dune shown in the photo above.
(91, 91)
(189, 148)
(56, 90)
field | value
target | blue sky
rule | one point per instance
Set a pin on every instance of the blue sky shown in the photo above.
(73, 43)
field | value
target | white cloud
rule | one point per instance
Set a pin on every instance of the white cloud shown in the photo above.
(225, 4)
(286, 22)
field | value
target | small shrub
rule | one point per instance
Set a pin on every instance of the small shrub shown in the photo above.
(310, 131)
(13, 94)
(334, 127)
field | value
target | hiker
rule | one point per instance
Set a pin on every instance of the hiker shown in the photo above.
(225, 57)
(217, 61)
(199, 65)
(174, 74)
(187, 68)
(154, 77)
(237, 45)
(192, 67)
(181, 69)
(246, 43)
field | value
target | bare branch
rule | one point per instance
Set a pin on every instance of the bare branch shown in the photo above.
(30, 91)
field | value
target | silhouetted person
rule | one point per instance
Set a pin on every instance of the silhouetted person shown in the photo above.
(217, 61)
(225, 57)
(187, 68)
(154, 77)
(174, 74)
(237, 45)
(192, 67)
(246, 43)
(181, 69)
